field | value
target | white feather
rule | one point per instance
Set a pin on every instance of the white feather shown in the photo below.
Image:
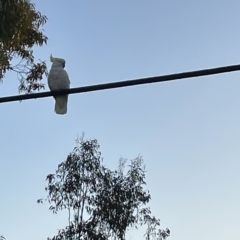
(58, 79)
(61, 104)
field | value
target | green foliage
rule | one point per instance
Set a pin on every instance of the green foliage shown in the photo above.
(101, 203)
(19, 33)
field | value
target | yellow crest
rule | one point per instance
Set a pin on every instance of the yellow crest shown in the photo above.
(52, 58)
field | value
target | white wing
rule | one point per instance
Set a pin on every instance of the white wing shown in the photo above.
(58, 79)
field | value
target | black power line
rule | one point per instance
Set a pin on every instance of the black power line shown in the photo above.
(127, 83)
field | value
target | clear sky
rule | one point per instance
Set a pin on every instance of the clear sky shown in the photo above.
(187, 131)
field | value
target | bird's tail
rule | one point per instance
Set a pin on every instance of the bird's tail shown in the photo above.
(61, 104)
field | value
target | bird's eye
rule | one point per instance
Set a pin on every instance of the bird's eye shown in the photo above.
(63, 64)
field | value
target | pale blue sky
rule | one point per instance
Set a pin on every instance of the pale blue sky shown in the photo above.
(187, 131)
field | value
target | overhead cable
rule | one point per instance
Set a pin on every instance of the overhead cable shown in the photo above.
(128, 83)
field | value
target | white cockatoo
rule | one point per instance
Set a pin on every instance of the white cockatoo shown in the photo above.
(58, 79)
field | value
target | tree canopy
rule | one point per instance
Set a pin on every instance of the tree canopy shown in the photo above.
(101, 203)
(20, 31)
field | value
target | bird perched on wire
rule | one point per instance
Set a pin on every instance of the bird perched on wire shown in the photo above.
(58, 79)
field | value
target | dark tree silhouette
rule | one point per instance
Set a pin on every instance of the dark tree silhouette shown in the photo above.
(101, 203)
(19, 32)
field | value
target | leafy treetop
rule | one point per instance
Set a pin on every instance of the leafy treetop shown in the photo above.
(19, 32)
(101, 204)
